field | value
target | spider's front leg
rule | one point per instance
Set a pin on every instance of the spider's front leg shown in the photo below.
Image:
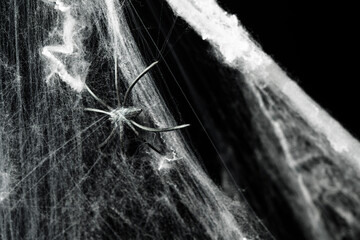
(166, 129)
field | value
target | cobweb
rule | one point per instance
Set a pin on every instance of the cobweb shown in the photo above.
(55, 183)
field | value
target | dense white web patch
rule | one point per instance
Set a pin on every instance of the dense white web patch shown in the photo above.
(75, 70)
(224, 31)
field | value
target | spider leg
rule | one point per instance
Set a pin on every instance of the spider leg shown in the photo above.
(168, 129)
(108, 138)
(151, 146)
(97, 98)
(97, 110)
(136, 80)
(130, 124)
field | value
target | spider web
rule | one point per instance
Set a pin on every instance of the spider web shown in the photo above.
(55, 182)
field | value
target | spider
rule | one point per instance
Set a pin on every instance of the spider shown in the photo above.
(123, 115)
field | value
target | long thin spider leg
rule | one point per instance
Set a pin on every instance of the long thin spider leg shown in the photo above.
(97, 98)
(151, 146)
(97, 110)
(108, 138)
(168, 129)
(129, 123)
(146, 142)
(136, 80)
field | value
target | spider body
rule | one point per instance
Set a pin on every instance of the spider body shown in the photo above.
(123, 115)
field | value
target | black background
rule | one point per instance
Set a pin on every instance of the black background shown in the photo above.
(315, 44)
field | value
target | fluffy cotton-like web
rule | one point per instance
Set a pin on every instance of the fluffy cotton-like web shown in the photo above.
(56, 183)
